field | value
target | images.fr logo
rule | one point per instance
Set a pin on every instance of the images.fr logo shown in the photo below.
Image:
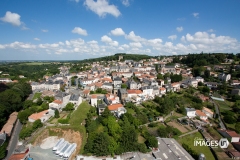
(222, 143)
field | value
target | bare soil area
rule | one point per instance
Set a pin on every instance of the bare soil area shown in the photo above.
(178, 126)
(69, 135)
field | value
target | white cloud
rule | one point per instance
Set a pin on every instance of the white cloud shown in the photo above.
(125, 46)
(135, 44)
(211, 30)
(77, 1)
(172, 37)
(92, 42)
(131, 36)
(44, 30)
(125, 3)
(2, 46)
(179, 29)
(102, 8)
(117, 32)
(190, 43)
(196, 15)
(12, 18)
(80, 31)
(106, 39)
(209, 39)
(17, 45)
(183, 39)
(36, 39)
(109, 41)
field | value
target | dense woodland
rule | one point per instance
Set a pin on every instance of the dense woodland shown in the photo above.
(108, 135)
(203, 59)
(12, 97)
(30, 71)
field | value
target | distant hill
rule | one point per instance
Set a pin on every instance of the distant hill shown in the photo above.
(135, 57)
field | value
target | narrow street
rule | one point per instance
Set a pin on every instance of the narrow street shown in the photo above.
(14, 139)
(219, 115)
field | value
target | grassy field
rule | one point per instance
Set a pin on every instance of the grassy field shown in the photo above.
(77, 118)
(189, 140)
(37, 95)
(223, 106)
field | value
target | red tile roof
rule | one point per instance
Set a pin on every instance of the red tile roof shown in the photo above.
(86, 91)
(200, 113)
(114, 106)
(57, 101)
(134, 91)
(18, 156)
(232, 133)
(36, 116)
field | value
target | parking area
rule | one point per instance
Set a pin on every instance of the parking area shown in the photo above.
(37, 153)
(44, 151)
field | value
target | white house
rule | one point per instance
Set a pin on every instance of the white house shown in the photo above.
(224, 77)
(201, 115)
(176, 86)
(162, 91)
(199, 79)
(193, 82)
(117, 109)
(43, 116)
(208, 112)
(147, 90)
(191, 112)
(56, 104)
(75, 99)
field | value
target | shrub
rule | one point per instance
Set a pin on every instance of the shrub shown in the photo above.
(63, 121)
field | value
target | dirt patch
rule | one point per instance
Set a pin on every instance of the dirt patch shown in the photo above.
(178, 126)
(69, 135)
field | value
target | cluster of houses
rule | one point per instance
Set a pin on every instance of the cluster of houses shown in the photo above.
(203, 114)
(126, 81)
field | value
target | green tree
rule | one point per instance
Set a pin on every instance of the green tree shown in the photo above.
(25, 132)
(39, 101)
(27, 104)
(123, 85)
(206, 73)
(229, 119)
(162, 132)
(152, 141)
(23, 115)
(101, 145)
(69, 107)
(37, 124)
(160, 76)
(237, 127)
(56, 114)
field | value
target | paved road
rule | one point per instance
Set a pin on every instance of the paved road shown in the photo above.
(14, 139)
(219, 115)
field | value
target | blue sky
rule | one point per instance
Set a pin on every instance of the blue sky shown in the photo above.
(80, 29)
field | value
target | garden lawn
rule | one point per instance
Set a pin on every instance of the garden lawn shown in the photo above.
(37, 95)
(189, 140)
(77, 118)
(223, 106)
